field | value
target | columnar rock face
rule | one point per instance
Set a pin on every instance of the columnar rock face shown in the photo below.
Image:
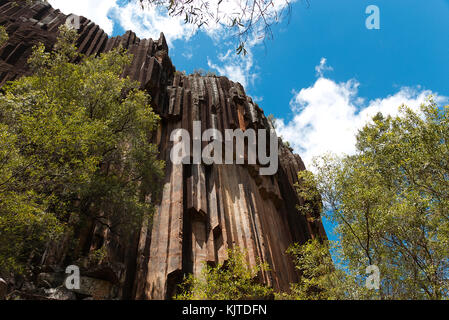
(203, 209)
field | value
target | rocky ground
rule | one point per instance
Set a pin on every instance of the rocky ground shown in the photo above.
(52, 283)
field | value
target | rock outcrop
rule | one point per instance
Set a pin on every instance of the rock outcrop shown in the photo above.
(204, 210)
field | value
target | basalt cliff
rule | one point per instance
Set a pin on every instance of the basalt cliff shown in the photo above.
(203, 210)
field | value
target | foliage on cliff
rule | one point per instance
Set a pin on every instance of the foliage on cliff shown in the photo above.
(390, 203)
(3, 35)
(234, 280)
(322, 278)
(75, 142)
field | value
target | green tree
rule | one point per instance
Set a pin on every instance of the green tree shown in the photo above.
(321, 277)
(390, 202)
(233, 280)
(76, 144)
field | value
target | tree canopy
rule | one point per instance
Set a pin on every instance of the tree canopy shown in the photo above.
(75, 143)
(390, 204)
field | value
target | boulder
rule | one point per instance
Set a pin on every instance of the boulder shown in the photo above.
(96, 288)
(60, 293)
(49, 280)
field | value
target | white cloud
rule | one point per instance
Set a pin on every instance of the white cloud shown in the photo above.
(322, 67)
(328, 115)
(220, 14)
(236, 67)
(97, 10)
(188, 54)
(149, 22)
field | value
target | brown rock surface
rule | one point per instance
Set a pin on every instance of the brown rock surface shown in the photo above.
(203, 210)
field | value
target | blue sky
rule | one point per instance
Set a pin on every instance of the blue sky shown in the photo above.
(324, 73)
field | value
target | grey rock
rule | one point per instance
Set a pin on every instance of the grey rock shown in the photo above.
(110, 272)
(60, 293)
(28, 287)
(96, 288)
(48, 280)
(44, 284)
